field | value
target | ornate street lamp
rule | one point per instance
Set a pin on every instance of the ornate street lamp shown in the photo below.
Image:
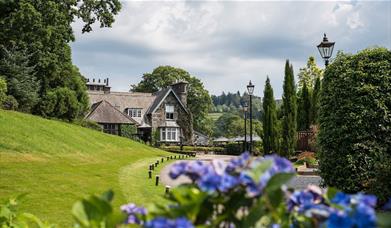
(326, 49)
(245, 109)
(250, 89)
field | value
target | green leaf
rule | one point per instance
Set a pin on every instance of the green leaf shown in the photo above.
(331, 192)
(256, 172)
(277, 181)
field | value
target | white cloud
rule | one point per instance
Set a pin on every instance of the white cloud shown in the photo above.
(226, 43)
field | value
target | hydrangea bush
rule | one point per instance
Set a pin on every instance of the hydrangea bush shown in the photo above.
(251, 192)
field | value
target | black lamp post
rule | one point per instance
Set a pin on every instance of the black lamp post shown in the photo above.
(326, 49)
(245, 108)
(250, 89)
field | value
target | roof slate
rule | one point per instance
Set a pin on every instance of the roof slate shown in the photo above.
(104, 112)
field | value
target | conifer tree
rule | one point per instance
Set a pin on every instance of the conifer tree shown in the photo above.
(304, 109)
(269, 120)
(289, 112)
(315, 102)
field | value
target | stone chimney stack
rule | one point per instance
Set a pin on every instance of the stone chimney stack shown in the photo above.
(180, 88)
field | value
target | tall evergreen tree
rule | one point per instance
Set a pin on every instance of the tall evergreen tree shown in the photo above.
(20, 77)
(304, 109)
(269, 120)
(289, 112)
(315, 102)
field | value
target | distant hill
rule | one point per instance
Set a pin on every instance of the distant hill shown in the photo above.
(57, 163)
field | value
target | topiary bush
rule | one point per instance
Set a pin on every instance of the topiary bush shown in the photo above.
(355, 123)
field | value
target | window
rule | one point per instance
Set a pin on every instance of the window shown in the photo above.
(169, 134)
(110, 128)
(133, 112)
(169, 112)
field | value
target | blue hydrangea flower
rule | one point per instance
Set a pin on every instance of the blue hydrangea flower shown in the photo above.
(368, 200)
(132, 211)
(339, 219)
(238, 163)
(364, 216)
(255, 187)
(228, 182)
(196, 169)
(341, 199)
(177, 169)
(161, 222)
(209, 182)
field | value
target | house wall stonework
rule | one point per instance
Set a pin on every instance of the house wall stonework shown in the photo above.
(181, 117)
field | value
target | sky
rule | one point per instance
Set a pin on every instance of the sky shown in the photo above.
(226, 43)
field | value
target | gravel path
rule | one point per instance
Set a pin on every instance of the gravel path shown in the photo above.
(299, 182)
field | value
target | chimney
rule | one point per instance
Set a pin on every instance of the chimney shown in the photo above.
(180, 89)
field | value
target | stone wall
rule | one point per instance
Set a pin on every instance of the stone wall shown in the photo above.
(181, 117)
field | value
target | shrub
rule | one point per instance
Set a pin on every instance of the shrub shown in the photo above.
(60, 103)
(3, 90)
(88, 124)
(10, 103)
(355, 120)
(129, 131)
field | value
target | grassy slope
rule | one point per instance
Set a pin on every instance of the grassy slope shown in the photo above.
(58, 163)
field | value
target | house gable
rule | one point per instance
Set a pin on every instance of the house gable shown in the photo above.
(104, 112)
(161, 97)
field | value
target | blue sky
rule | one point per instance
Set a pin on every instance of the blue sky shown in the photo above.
(226, 44)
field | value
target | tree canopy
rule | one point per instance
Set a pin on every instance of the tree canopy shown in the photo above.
(308, 74)
(198, 99)
(43, 29)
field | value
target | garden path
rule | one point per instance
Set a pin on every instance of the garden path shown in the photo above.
(298, 182)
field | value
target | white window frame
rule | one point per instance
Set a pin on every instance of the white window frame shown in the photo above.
(169, 134)
(169, 109)
(134, 112)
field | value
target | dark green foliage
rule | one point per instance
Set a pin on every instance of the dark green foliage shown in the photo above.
(3, 91)
(355, 123)
(20, 76)
(289, 112)
(304, 109)
(43, 29)
(129, 131)
(315, 102)
(269, 120)
(198, 99)
(60, 103)
(10, 103)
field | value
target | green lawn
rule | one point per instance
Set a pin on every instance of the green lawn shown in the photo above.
(57, 163)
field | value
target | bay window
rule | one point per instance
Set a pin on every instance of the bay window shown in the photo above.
(169, 134)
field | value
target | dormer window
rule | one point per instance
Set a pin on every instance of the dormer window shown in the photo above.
(169, 112)
(133, 112)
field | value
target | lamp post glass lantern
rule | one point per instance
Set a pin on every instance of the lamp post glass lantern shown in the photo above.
(250, 89)
(326, 49)
(245, 108)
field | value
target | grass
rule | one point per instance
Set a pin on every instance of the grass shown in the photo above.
(58, 163)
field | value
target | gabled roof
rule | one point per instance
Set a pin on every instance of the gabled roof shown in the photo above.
(104, 112)
(123, 100)
(161, 96)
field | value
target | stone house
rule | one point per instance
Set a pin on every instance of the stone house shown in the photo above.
(162, 116)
